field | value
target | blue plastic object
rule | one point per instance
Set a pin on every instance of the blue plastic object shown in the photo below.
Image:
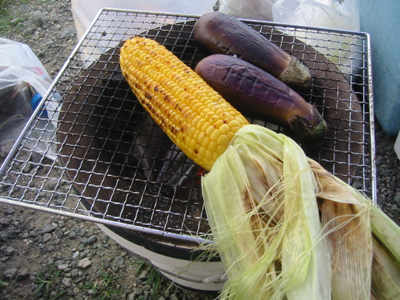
(35, 102)
(381, 19)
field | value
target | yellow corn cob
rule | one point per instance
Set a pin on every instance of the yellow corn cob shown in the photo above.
(194, 116)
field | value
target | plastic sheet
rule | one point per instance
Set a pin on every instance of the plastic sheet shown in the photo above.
(252, 9)
(331, 14)
(23, 81)
(334, 14)
(18, 64)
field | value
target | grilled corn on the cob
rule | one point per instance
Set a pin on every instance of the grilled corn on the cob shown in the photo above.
(195, 117)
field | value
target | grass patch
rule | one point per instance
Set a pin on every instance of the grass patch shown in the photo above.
(5, 3)
(105, 287)
(3, 284)
(5, 18)
(157, 282)
(7, 21)
(3, 6)
(162, 286)
(48, 284)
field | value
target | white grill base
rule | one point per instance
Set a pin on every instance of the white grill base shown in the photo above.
(204, 276)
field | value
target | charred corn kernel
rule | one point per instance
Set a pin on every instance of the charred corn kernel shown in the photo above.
(186, 108)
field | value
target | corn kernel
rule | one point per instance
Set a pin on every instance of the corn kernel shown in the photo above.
(187, 109)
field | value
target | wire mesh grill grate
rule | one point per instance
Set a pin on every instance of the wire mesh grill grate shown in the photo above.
(97, 155)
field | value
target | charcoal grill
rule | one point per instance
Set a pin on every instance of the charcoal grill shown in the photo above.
(115, 167)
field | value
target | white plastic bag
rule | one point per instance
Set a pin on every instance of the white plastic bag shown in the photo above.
(19, 64)
(335, 14)
(252, 9)
(332, 14)
(23, 81)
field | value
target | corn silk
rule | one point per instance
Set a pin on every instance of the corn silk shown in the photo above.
(284, 227)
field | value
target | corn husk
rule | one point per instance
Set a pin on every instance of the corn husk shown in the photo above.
(261, 205)
(386, 231)
(346, 215)
(261, 201)
(385, 273)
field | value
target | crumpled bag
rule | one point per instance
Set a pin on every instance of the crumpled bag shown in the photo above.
(23, 82)
(18, 64)
(334, 14)
(251, 9)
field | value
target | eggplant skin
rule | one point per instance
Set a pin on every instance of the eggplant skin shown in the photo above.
(252, 90)
(224, 34)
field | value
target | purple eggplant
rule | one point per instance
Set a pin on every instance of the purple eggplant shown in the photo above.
(225, 34)
(252, 90)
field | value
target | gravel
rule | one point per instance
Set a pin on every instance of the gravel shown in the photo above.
(45, 256)
(84, 263)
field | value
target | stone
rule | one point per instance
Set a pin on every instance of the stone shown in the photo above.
(37, 19)
(59, 234)
(118, 262)
(9, 211)
(46, 237)
(62, 267)
(10, 273)
(131, 296)
(139, 291)
(50, 260)
(28, 168)
(92, 292)
(9, 234)
(23, 274)
(33, 233)
(84, 263)
(396, 198)
(83, 253)
(51, 184)
(4, 221)
(48, 228)
(74, 273)
(67, 282)
(9, 250)
(91, 240)
(68, 33)
(3, 236)
(75, 255)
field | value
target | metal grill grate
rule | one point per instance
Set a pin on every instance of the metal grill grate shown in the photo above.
(96, 155)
